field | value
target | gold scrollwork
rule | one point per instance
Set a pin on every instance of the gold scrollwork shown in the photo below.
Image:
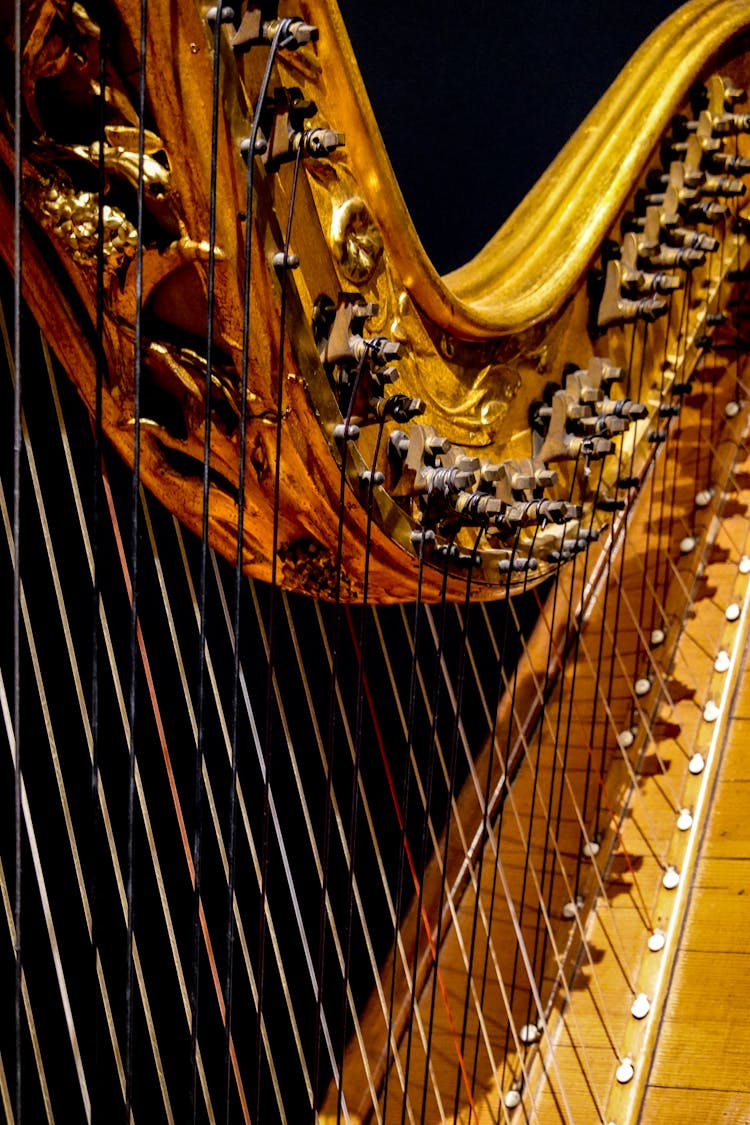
(355, 240)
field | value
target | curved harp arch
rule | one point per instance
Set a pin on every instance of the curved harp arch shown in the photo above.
(540, 254)
(408, 846)
(441, 468)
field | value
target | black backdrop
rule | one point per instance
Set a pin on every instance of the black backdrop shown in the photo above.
(475, 100)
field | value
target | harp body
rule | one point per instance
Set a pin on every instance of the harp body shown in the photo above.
(567, 425)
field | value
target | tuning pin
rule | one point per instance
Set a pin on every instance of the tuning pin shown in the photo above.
(625, 1071)
(730, 162)
(641, 1006)
(671, 878)
(370, 478)
(517, 563)
(684, 820)
(445, 481)
(399, 407)
(512, 1097)
(221, 14)
(346, 432)
(570, 910)
(657, 940)
(618, 309)
(320, 143)
(695, 240)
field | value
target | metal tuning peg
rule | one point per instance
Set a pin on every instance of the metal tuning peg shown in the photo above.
(257, 25)
(294, 33)
(603, 373)
(418, 467)
(561, 445)
(617, 308)
(526, 513)
(636, 280)
(401, 408)
(723, 95)
(653, 252)
(622, 408)
(344, 341)
(283, 127)
(708, 182)
(523, 478)
(359, 364)
(720, 96)
(706, 211)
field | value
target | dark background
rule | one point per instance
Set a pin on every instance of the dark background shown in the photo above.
(475, 100)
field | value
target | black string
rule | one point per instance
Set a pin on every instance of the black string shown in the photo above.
(198, 795)
(429, 780)
(659, 586)
(242, 466)
(96, 499)
(405, 794)
(618, 595)
(460, 679)
(484, 837)
(532, 799)
(575, 628)
(17, 448)
(354, 803)
(134, 527)
(331, 733)
(540, 927)
(508, 767)
(272, 613)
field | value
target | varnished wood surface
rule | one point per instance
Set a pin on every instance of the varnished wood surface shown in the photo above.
(691, 1063)
(700, 1070)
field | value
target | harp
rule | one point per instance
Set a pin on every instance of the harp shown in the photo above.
(377, 794)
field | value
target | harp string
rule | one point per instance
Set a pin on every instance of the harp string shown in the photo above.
(485, 833)
(432, 752)
(405, 856)
(360, 645)
(62, 791)
(50, 927)
(457, 704)
(90, 550)
(7, 1100)
(521, 956)
(570, 654)
(95, 610)
(436, 689)
(199, 727)
(414, 770)
(16, 537)
(272, 612)
(244, 813)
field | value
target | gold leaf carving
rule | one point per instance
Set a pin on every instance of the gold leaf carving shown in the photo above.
(356, 241)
